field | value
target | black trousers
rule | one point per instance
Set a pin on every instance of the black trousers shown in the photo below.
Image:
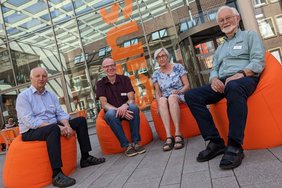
(51, 134)
(236, 93)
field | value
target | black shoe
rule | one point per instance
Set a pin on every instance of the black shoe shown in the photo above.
(60, 180)
(211, 152)
(91, 161)
(232, 158)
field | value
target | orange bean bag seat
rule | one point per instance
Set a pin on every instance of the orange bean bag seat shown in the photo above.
(27, 163)
(109, 143)
(188, 125)
(264, 121)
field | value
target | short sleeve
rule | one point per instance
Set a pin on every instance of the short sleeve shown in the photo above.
(180, 69)
(99, 89)
(155, 77)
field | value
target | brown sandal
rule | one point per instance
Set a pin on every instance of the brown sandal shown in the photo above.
(179, 144)
(168, 146)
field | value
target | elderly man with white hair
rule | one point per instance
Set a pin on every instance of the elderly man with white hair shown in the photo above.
(237, 64)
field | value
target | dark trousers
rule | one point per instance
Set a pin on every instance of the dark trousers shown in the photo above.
(51, 134)
(236, 93)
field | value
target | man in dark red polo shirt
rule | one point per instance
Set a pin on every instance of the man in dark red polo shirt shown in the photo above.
(116, 95)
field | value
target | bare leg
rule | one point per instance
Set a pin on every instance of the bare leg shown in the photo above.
(173, 102)
(164, 112)
(165, 116)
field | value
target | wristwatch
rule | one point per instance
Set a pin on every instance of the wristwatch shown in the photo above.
(243, 72)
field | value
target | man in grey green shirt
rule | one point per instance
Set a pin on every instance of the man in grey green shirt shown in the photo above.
(237, 64)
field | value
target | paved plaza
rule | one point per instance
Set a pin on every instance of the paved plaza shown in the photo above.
(177, 168)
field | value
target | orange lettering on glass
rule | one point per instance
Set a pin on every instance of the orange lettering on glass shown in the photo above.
(119, 53)
(112, 17)
(136, 64)
(144, 99)
(119, 69)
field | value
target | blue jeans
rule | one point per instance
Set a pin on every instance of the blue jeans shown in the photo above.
(115, 124)
(236, 93)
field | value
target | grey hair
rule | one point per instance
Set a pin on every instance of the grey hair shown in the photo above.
(32, 70)
(159, 50)
(234, 11)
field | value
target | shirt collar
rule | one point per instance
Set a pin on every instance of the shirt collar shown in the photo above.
(34, 90)
(235, 35)
(107, 81)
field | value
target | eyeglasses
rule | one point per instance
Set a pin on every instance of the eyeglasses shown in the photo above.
(227, 19)
(109, 66)
(161, 57)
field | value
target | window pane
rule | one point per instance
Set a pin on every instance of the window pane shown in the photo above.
(278, 20)
(266, 28)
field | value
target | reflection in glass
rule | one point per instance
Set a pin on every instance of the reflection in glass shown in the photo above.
(8, 101)
(6, 72)
(56, 87)
(25, 57)
(204, 53)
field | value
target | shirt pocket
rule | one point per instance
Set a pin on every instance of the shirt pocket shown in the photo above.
(238, 49)
(52, 108)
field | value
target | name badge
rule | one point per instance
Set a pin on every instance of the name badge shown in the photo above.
(52, 106)
(237, 47)
(123, 94)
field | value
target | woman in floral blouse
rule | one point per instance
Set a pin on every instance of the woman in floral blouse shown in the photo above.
(170, 82)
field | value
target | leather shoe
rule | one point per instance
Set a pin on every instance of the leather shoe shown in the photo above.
(232, 158)
(60, 180)
(211, 152)
(91, 161)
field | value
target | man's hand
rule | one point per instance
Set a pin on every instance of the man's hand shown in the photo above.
(122, 110)
(69, 131)
(129, 115)
(234, 77)
(217, 85)
(66, 131)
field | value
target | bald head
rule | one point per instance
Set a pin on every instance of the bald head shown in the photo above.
(37, 69)
(109, 67)
(108, 61)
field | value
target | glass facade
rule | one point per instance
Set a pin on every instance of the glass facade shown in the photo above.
(70, 38)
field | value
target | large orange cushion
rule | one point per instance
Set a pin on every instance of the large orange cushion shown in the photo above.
(264, 121)
(109, 143)
(27, 163)
(188, 125)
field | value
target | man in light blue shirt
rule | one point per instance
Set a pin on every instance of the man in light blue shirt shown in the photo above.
(237, 64)
(42, 118)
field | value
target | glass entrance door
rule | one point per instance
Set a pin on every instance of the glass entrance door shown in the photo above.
(204, 53)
